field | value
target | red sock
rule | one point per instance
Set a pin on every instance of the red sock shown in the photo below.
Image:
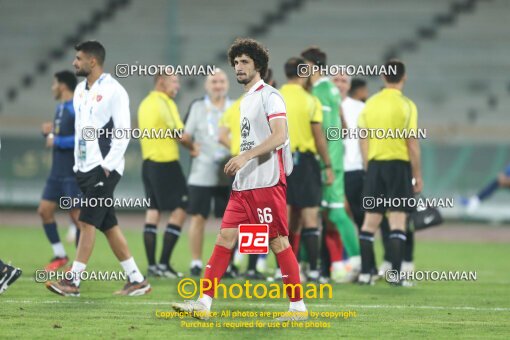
(334, 245)
(216, 267)
(294, 239)
(290, 273)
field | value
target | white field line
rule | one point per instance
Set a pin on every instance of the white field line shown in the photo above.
(73, 300)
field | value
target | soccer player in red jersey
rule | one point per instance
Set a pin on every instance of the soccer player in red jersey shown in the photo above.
(259, 189)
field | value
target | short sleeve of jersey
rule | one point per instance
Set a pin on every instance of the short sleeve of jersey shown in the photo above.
(170, 114)
(225, 118)
(275, 107)
(191, 122)
(413, 116)
(317, 111)
(361, 119)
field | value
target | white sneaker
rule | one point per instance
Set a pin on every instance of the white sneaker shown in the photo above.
(195, 309)
(385, 266)
(261, 265)
(365, 279)
(473, 204)
(407, 267)
(293, 315)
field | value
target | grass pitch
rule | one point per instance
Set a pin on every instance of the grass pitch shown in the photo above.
(472, 309)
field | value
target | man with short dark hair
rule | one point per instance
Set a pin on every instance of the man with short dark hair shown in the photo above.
(100, 103)
(62, 181)
(259, 189)
(307, 141)
(391, 166)
(334, 213)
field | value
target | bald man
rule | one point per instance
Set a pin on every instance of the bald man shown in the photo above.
(207, 183)
(163, 179)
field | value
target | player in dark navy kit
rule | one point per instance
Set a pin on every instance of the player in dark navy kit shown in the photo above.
(62, 180)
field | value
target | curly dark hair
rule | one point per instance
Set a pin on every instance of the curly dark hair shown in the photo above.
(252, 49)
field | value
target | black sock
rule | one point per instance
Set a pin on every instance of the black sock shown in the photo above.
(366, 243)
(325, 259)
(310, 238)
(149, 240)
(252, 261)
(397, 242)
(51, 232)
(409, 247)
(172, 234)
(77, 240)
(385, 233)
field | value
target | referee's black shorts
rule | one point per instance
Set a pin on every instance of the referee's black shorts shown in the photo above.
(304, 183)
(95, 185)
(165, 185)
(201, 197)
(388, 180)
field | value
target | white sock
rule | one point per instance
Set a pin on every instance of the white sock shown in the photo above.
(196, 263)
(337, 265)
(58, 249)
(238, 258)
(206, 300)
(355, 262)
(132, 270)
(298, 305)
(76, 269)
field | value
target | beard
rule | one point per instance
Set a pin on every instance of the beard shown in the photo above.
(245, 81)
(81, 73)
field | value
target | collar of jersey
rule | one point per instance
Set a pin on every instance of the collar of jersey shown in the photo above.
(256, 86)
(392, 90)
(321, 80)
(97, 82)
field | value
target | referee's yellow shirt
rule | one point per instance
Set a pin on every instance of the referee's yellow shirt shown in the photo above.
(231, 120)
(388, 109)
(158, 111)
(303, 109)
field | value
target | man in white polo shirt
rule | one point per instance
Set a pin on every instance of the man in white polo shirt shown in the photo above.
(101, 104)
(259, 189)
(352, 106)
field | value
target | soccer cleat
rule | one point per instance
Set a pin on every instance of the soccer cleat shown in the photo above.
(365, 280)
(402, 283)
(8, 277)
(312, 276)
(154, 271)
(63, 287)
(193, 308)
(407, 267)
(293, 315)
(385, 266)
(168, 272)
(196, 271)
(254, 275)
(261, 264)
(231, 273)
(135, 288)
(56, 263)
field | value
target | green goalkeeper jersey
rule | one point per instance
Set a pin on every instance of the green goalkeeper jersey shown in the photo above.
(330, 98)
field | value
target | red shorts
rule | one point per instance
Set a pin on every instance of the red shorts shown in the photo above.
(264, 205)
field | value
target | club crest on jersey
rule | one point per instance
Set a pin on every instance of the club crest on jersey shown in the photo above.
(99, 97)
(245, 127)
